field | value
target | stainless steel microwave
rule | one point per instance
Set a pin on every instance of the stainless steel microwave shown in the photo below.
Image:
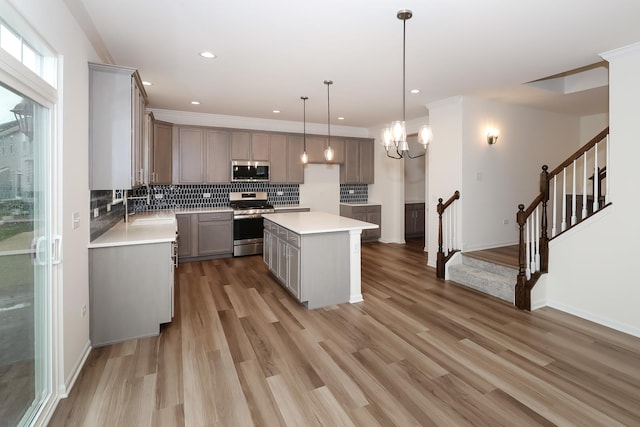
(248, 171)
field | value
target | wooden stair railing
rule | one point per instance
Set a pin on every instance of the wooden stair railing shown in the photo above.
(446, 239)
(533, 221)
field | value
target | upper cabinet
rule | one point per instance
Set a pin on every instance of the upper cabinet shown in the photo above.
(117, 102)
(200, 155)
(358, 162)
(246, 145)
(286, 159)
(159, 153)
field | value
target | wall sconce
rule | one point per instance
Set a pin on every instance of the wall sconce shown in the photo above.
(492, 136)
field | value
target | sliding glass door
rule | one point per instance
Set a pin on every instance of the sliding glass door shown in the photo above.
(26, 247)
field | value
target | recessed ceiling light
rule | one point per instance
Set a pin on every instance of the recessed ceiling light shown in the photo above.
(415, 90)
(207, 54)
(146, 83)
(195, 103)
(276, 111)
(340, 118)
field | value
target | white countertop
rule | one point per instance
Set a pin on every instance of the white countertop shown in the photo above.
(142, 228)
(317, 222)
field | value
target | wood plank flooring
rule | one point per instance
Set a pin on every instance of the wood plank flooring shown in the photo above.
(417, 351)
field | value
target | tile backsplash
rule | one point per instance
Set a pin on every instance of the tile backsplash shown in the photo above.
(157, 197)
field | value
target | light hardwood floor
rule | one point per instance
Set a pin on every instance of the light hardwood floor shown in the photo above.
(417, 351)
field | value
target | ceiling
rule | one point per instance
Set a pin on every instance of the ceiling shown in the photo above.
(270, 53)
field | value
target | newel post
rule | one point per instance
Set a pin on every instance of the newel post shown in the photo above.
(440, 255)
(522, 299)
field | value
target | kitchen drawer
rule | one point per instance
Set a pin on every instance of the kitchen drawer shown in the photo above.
(282, 233)
(359, 209)
(215, 216)
(293, 239)
(268, 225)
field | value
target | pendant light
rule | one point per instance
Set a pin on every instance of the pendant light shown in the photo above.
(305, 157)
(396, 134)
(328, 153)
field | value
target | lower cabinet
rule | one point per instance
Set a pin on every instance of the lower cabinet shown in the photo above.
(130, 290)
(205, 236)
(414, 219)
(282, 255)
(366, 213)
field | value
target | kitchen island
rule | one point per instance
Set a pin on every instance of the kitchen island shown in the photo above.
(315, 256)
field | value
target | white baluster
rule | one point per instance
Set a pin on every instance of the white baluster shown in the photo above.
(528, 255)
(555, 202)
(584, 186)
(536, 239)
(563, 224)
(445, 230)
(574, 217)
(451, 228)
(606, 181)
(596, 181)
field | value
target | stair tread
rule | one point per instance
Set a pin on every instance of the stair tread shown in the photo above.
(482, 273)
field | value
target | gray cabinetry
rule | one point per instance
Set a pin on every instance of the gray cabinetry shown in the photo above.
(217, 159)
(285, 159)
(282, 255)
(116, 127)
(414, 218)
(131, 291)
(200, 155)
(205, 236)
(366, 213)
(215, 234)
(317, 144)
(246, 145)
(160, 154)
(358, 162)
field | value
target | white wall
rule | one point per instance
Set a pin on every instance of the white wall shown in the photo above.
(56, 25)
(496, 178)
(444, 164)
(591, 270)
(592, 125)
(321, 188)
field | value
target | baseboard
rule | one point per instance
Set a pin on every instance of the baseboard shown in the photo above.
(601, 320)
(65, 388)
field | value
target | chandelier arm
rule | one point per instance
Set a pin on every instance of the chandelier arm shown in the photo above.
(394, 157)
(415, 157)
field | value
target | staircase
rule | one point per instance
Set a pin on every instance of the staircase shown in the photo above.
(493, 272)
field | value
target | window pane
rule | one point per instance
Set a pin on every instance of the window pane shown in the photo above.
(10, 42)
(31, 59)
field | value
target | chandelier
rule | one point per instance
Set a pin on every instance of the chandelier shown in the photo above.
(396, 134)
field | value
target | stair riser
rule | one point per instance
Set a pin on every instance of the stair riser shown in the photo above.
(506, 272)
(483, 281)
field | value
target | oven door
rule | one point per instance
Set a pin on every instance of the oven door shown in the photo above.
(247, 235)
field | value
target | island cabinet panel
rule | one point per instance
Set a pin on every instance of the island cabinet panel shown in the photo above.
(131, 291)
(358, 162)
(116, 127)
(184, 235)
(299, 262)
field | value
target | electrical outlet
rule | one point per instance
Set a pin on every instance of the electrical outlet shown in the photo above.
(108, 207)
(279, 193)
(478, 176)
(96, 212)
(206, 195)
(158, 196)
(83, 310)
(351, 191)
(505, 221)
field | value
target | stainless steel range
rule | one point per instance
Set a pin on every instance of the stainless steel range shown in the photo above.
(248, 208)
